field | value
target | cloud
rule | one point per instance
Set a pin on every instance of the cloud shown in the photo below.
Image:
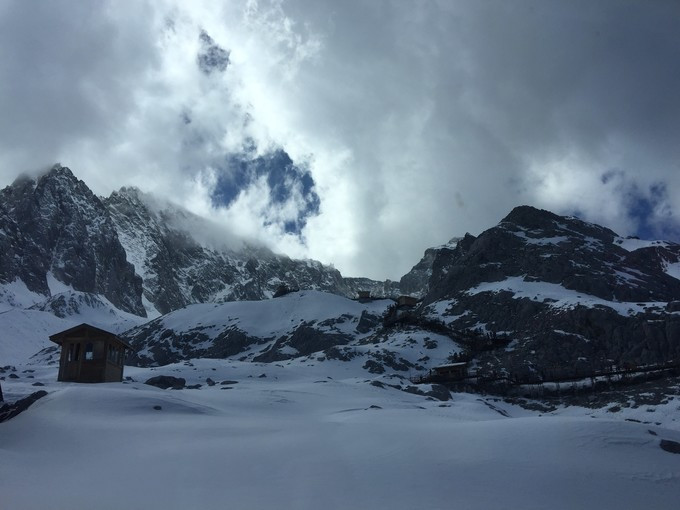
(68, 76)
(406, 123)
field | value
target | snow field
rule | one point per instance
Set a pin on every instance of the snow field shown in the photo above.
(307, 437)
(272, 317)
(561, 297)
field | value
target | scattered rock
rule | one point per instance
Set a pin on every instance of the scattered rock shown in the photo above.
(209, 382)
(167, 381)
(13, 376)
(37, 384)
(375, 407)
(262, 376)
(229, 382)
(9, 411)
(194, 387)
(652, 432)
(157, 408)
(440, 392)
(283, 290)
(670, 446)
(374, 367)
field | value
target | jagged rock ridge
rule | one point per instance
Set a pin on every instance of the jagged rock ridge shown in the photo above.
(566, 291)
(179, 269)
(141, 253)
(56, 229)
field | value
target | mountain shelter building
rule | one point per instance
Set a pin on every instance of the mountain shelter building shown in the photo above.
(450, 372)
(407, 301)
(90, 355)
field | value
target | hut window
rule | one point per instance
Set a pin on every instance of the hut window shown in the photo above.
(88, 351)
(77, 353)
(71, 352)
(113, 354)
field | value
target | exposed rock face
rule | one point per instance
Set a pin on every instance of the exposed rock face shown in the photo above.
(55, 234)
(416, 281)
(568, 292)
(179, 269)
(542, 246)
(56, 229)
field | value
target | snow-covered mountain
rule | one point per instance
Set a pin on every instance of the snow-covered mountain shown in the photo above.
(569, 293)
(302, 325)
(143, 254)
(555, 292)
(319, 386)
(561, 291)
(56, 234)
(184, 259)
(119, 261)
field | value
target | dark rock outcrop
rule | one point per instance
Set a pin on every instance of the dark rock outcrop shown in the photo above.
(56, 227)
(9, 411)
(184, 259)
(166, 381)
(670, 446)
(566, 290)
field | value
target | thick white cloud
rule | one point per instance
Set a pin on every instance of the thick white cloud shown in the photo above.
(419, 120)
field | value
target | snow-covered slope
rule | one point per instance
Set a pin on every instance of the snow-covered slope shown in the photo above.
(308, 326)
(320, 437)
(24, 332)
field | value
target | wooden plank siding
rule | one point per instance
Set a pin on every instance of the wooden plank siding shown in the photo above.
(90, 354)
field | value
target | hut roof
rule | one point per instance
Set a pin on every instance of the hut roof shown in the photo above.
(58, 338)
(452, 365)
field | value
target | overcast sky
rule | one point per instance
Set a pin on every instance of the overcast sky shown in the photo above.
(406, 122)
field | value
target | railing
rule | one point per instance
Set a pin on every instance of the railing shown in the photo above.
(612, 374)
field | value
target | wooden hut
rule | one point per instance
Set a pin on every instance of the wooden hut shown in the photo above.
(407, 301)
(90, 355)
(450, 372)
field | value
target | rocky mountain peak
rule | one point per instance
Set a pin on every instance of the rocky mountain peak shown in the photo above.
(537, 223)
(57, 233)
(127, 193)
(58, 170)
(530, 217)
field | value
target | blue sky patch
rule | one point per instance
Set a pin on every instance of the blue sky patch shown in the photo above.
(284, 178)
